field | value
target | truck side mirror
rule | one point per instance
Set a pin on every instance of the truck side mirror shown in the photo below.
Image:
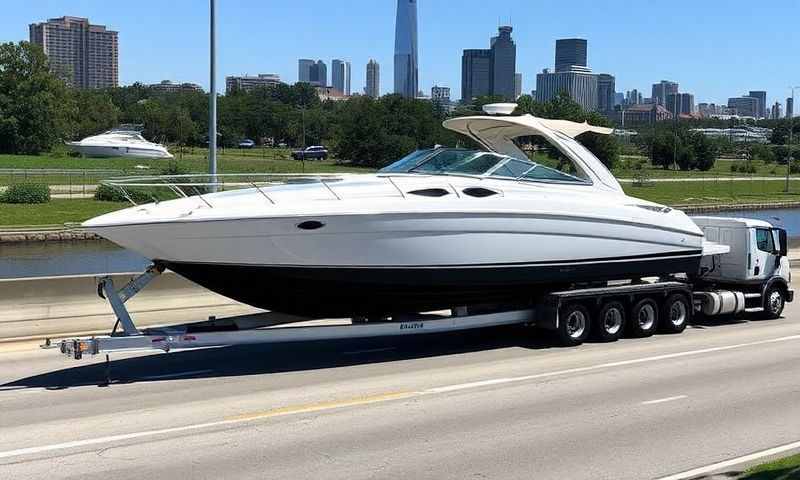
(783, 248)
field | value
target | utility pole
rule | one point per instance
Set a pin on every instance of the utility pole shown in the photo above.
(212, 101)
(789, 157)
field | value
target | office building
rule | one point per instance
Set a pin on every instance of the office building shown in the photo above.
(789, 107)
(633, 97)
(744, 106)
(340, 76)
(476, 74)
(571, 53)
(84, 55)
(491, 71)
(619, 98)
(169, 86)
(440, 94)
(406, 54)
(246, 83)
(606, 93)
(661, 90)
(517, 85)
(776, 111)
(761, 95)
(581, 86)
(304, 70)
(373, 85)
(504, 63)
(680, 103)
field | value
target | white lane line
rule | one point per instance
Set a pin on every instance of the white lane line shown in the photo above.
(733, 462)
(430, 391)
(175, 375)
(665, 400)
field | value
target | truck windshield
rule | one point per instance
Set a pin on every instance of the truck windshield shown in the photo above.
(456, 161)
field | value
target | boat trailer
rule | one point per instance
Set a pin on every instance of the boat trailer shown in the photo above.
(127, 337)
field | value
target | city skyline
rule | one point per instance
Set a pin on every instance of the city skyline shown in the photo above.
(713, 71)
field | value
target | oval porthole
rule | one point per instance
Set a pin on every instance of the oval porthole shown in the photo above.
(479, 192)
(430, 192)
(310, 225)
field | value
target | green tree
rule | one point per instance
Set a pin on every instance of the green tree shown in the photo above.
(35, 107)
(95, 112)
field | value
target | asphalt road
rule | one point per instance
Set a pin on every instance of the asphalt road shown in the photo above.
(497, 403)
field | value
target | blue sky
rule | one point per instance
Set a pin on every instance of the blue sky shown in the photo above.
(713, 48)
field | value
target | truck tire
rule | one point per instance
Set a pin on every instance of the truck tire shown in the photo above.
(610, 323)
(644, 318)
(574, 324)
(774, 301)
(675, 313)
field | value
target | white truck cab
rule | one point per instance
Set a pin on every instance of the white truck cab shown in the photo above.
(757, 262)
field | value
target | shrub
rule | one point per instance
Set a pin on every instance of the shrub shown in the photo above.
(794, 167)
(108, 193)
(28, 193)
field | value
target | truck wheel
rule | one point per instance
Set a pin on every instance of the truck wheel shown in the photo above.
(574, 325)
(773, 303)
(610, 322)
(675, 314)
(644, 318)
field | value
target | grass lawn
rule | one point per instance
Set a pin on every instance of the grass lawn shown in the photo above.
(784, 469)
(722, 168)
(715, 192)
(57, 212)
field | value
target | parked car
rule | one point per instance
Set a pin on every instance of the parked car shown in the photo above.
(247, 143)
(314, 152)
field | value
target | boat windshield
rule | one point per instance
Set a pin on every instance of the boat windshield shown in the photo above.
(456, 161)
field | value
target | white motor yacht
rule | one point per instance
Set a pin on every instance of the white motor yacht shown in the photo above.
(119, 143)
(440, 228)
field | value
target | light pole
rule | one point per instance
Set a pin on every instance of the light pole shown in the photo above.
(212, 100)
(789, 155)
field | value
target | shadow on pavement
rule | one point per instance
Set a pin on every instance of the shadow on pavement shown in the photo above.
(283, 357)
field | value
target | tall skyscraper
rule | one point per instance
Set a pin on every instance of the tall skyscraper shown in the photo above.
(789, 107)
(304, 70)
(606, 92)
(319, 74)
(373, 88)
(476, 74)
(517, 85)
(761, 95)
(491, 71)
(571, 52)
(84, 55)
(662, 89)
(504, 63)
(775, 112)
(406, 55)
(340, 76)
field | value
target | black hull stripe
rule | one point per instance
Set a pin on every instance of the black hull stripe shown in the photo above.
(593, 261)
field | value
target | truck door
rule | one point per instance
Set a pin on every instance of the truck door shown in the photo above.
(764, 258)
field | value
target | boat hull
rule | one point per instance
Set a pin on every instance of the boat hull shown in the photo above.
(126, 152)
(334, 292)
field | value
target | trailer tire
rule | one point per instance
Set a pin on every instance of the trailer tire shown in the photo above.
(574, 324)
(644, 318)
(675, 313)
(610, 323)
(774, 301)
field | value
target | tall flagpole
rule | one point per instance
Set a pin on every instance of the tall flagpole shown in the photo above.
(212, 101)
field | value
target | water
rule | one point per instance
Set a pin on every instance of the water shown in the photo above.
(97, 257)
(46, 259)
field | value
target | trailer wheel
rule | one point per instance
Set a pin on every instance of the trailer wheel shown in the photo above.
(644, 318)
(574, 324)
(774, 302)
(610, 322)
(675, 313)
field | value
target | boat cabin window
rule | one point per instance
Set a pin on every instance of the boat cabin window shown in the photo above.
(544, 153)
(454, 161)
